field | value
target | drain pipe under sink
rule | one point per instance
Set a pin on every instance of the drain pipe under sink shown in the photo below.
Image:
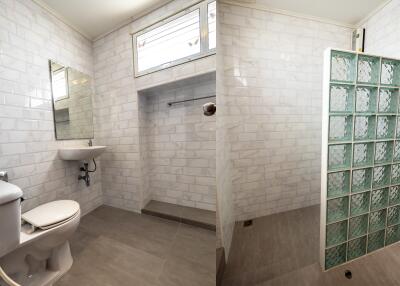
(7, 279)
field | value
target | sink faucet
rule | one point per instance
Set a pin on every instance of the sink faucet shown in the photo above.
(90, 143)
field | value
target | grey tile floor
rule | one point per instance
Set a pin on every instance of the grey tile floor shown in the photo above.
(116, 247)
(283, 250)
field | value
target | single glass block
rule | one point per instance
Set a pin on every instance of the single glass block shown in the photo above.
(394, 195)
(356, 248)
(390, 72)
(359, 203)
(336, 233)
(343, 66)
(396, 153)
(393, 215)
(363, 154)
(341, 98)
(398, 126)
(379, 199)
(395, 174)
(392, 234)
(383, 152)
(361, 180)
(377, 220)
(368, 69)
(388, 98)
(337, 209)
(364, 127)
(385, 127)
(358, 226)
(338, 184)
(335, 255)
(381, 176)
(340, 128)
(339, 156)
(376, 240)
(366, 99)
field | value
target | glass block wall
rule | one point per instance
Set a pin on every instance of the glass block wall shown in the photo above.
(360, 207)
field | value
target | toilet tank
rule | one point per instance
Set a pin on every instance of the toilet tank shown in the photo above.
(10, 217)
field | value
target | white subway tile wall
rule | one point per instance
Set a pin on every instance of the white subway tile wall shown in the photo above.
(125, 179)
(29, 37)
(273, 85)
(116, 120)
(382, 31)
(144, 151)
(181, 144)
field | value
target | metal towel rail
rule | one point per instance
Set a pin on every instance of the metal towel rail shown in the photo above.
(186, 100)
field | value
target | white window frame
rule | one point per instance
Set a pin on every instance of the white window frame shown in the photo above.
(204, 41)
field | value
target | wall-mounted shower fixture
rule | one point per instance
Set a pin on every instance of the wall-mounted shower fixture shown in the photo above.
(85, 169)
(209, 108)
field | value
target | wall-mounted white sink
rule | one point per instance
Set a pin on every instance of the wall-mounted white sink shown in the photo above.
(80, 153)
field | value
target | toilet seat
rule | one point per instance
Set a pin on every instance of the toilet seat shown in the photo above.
(51, 214)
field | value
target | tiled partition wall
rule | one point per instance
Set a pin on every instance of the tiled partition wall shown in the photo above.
(29, 37)
(360, 156)
(225, 207)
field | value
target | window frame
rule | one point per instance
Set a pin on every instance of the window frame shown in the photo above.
(204, 40)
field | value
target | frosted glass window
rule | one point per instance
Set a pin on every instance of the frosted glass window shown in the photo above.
(178, 39)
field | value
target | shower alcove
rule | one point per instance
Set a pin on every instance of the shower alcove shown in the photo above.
(178, 150)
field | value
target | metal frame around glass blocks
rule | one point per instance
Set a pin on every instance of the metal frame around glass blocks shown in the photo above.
(375, 236)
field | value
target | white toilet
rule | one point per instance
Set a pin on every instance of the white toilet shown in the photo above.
(38, 253)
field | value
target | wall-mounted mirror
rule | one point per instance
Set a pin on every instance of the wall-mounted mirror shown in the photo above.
(72, 102)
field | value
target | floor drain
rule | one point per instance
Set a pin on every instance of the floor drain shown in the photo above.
(247, 223)
(348, 274)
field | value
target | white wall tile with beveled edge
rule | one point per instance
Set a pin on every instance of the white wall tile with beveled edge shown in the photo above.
(273, 83)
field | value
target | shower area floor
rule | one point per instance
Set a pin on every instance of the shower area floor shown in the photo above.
(116, 248)
(283, 250)
(187, 215)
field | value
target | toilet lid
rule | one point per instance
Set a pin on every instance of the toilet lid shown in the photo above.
(51, 213)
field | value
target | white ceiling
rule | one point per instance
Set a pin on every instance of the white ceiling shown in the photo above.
(348, 12)
(94, 18)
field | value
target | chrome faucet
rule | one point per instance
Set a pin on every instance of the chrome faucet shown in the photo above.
(3, 176)
(90, 143)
